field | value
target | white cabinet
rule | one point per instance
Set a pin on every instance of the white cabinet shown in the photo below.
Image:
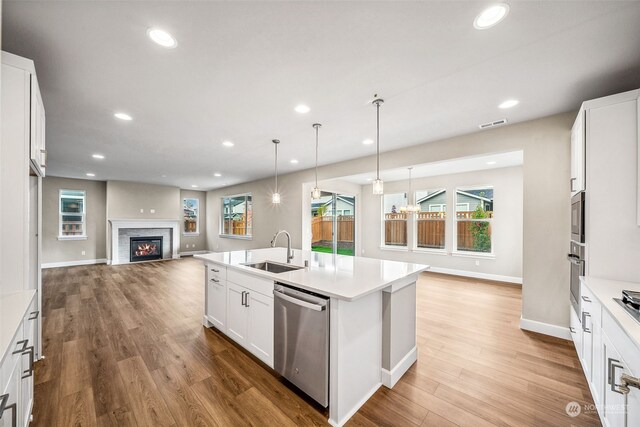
(237, 314)
(38, 152)
(216, 297)
(248, 310)
(578, 154)
(576, 332)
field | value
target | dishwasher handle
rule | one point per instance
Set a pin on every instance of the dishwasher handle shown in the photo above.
(301, 303)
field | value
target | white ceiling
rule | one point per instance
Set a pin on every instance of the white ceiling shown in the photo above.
(241, 67)
(461, 165)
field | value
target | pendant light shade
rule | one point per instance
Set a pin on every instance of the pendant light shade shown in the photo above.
(316, 193)
(275, 198)
(410, 208)
(378, 185)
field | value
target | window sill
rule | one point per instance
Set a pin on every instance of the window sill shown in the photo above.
(231, 236)
(190, 234)
(430, 251)
(473, 254)
(72, 237)
(394, 248)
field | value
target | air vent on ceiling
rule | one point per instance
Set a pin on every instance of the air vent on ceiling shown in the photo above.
(493, 124)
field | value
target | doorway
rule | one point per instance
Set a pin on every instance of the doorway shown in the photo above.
(333, 224)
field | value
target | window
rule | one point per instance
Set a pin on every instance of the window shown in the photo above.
(72, 215)
(431, 220)
(395, 222)
(237, 216)
(191, 217)
(474, 214)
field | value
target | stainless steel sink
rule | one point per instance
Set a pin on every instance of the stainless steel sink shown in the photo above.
(273, 267)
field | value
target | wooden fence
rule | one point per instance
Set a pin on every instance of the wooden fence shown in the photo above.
(430, 230)
(322, 229)
(235, 227)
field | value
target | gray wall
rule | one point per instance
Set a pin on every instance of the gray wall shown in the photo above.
(196, 243)
(506, 225)
(126, 199)
(54, 250)
(546, 230)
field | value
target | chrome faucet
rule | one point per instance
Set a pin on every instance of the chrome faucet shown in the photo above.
(289, 250)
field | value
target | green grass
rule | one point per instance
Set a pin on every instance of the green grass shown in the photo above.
(329, 250)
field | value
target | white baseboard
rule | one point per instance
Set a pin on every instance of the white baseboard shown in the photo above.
(353, 410)
(74, 263)
(189, 253)
(476, 275)
(390, 378)
(545, 328)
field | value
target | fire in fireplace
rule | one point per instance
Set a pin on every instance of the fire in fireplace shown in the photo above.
(145, 248)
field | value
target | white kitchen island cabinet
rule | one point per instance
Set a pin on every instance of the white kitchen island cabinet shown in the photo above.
(372, 317)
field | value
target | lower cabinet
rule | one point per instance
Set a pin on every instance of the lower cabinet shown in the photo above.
(576, 332)
(250, 320)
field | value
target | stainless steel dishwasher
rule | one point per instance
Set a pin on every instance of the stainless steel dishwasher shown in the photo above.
(301, 340)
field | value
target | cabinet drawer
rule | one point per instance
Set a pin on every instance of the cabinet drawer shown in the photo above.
(251, 282)
(10, 360)
(627, 349)
(217, 272)
(590, 305)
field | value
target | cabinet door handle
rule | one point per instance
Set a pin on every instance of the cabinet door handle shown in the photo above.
(572, 329)
(586, 299)
(29, 372)
(242, 299)
(24, 344)
(44, 163)
(613, 364)
(215, 280)
(33, 315)
(215, 271)
(571, 181)
(584, 322)
(3, 407)
(246, 300)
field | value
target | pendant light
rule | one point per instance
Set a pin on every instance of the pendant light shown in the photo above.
(410, 208)
(275, 198)
(378, 184)
(315, 194)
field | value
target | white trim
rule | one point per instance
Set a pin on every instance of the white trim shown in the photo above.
(394, 248)
(72, 237)
(117, 224)
(545, 328)
(390, 378)
(472, 254)
(197, 232)
(429, 251)
(188, 253)
(355, 408)
(477, 275)
(74, 263)
(190, 234)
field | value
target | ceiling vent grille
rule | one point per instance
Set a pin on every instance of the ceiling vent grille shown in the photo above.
(493, 124)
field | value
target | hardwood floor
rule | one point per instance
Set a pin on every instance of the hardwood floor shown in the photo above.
(124, 346)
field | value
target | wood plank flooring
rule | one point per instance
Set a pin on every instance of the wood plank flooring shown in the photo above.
(124, 346)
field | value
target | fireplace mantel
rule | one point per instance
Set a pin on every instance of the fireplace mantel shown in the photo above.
(118, 224)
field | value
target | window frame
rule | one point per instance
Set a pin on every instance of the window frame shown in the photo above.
(246, 227)
(456, 220)
(414, 221)
(383, 245)
(82, 236)
(192, 233)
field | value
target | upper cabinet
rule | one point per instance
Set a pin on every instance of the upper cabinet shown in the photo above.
(578, 154)
(38, 152)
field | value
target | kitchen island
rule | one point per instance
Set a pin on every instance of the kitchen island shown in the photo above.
(372, 314)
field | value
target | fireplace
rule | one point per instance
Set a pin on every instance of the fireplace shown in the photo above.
(145, 248)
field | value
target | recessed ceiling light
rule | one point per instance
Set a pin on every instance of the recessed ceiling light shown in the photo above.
(91, 174)
(228, 144)
(369, 179)
(194, 186)
(491, 16)
(491, 162)
(123, 116)
(509, 103)
(302, 109)
(161, 37)
(294, 161)
(163, 176)
(367, 141)
(217, 174)
(98, 156)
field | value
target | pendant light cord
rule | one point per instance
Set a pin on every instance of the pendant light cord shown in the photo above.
(276, 142)
(377, 140)
(317, 126)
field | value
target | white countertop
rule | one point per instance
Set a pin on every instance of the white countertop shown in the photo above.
(337, 276)
(605, 290)
(13, 307)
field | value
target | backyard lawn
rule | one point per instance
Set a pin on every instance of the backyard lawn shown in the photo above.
(344, 251)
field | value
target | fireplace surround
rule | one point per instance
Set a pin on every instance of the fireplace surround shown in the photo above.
(122, 230)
